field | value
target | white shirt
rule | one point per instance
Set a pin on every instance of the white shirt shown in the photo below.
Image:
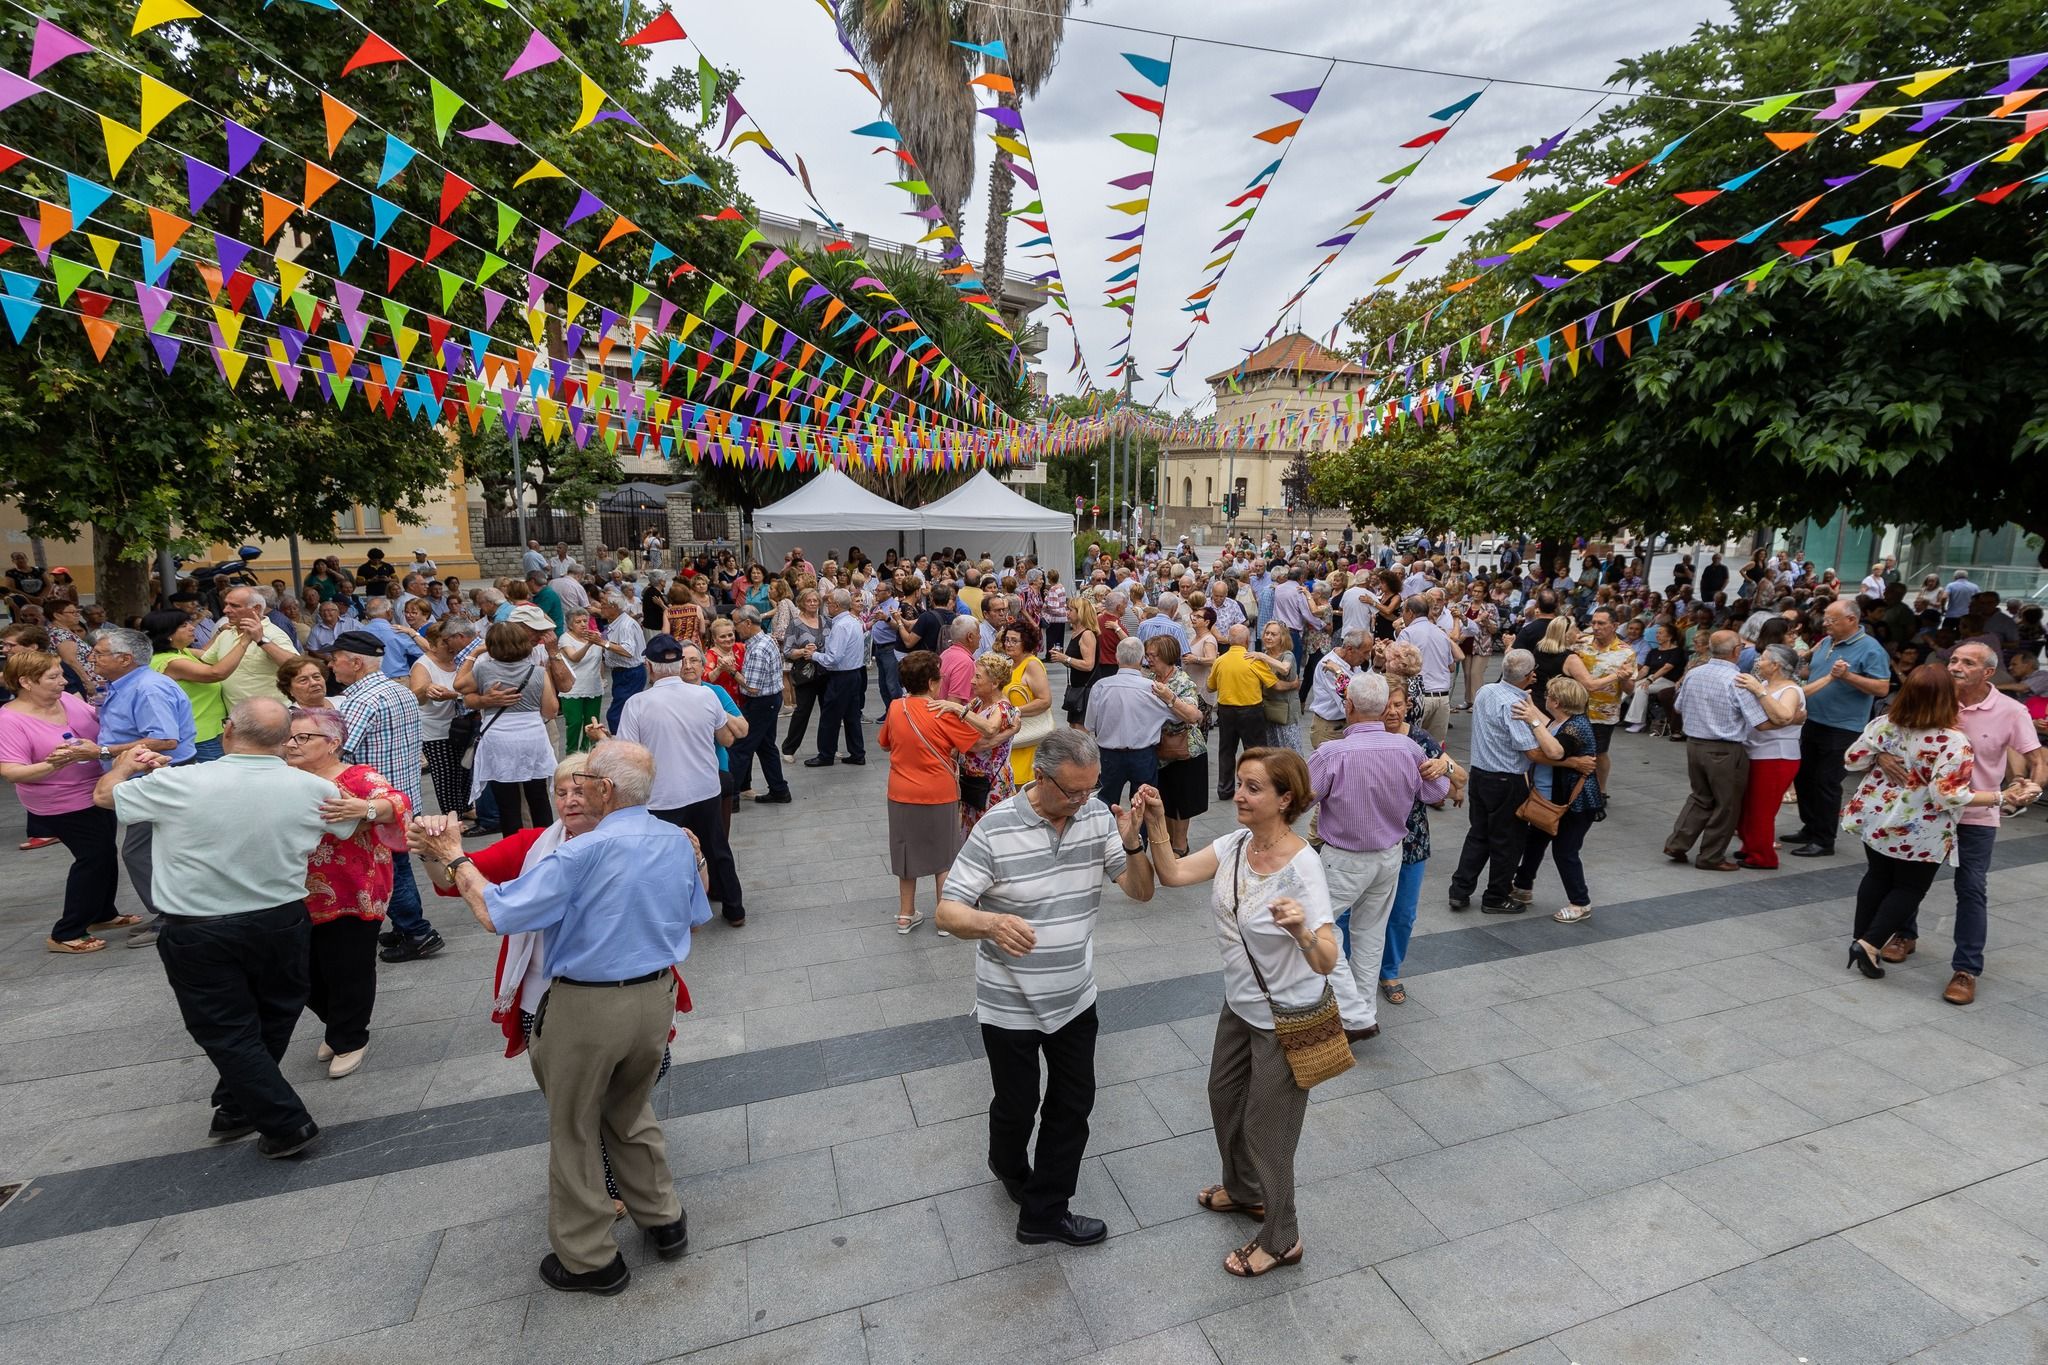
(679, 724)
(1326, 693)
(1242, 901)
(625, 631)
(1359, 607)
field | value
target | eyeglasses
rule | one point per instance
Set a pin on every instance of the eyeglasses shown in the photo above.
(1075, 797)
(304, 737)
(581, 779)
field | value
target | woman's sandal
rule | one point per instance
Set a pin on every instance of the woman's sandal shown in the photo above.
(1216, 1199)
(1395, 992)
(76, 945)
(904, 926)
(1239, 1262)
(118, 922)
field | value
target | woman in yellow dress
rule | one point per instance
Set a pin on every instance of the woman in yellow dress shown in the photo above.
(1030, 691)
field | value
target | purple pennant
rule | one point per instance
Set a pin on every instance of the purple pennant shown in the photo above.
(535, 287)
(621, 115)
(489, 132)
(152, 301)
(543, 244)
(1955, 182)
(734, 111)
(2019, 71)
(294, 342)
(287, 379)
(1376, 199)
(1889, 238)
(1547, 146)
(493, 303)
(1300, 100)
(664, 316)
(166, 348)
(572, 339)
(1845, 100)
(1622, 254)
(31, 229)
(1228, 240)
(742, 318)
(1552, 221)
(538, 52)
(1132, 182)
(349, 296)
(775, 258)
(586, 204)
(230, 252)
(1009, 118)
(1931, 114)
(1131, 236)
(813, 294)
(1835, 182)
(52, 46)
(242, 145)
(1018, 169)
(718, 339)
(788, 345)
(1408, 256)
(1552, 281)
(14, 89)
(201, 180)
(606, 320)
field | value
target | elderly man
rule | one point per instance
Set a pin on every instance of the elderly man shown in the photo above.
(1719, 716)
(401, 651)
(1228, 612)
(956, 664)
(143, 710)
(1028, 883)
(1292, 609)
(1239, 681)
(683, 724)
(328, 626)
(569, 588)
(1327, 708)
(846, 678)
(1366, 782)
(1508, 732)
(1440, 654)
(760, 706)
(384, 731)
(1846, 674)
(234, 838)
(256, 675)
(561, 561)
(1126, 716)
(1159, 620)
(1999, 728)
(614, 909)
(548, 600)
(532, 558)
(995, 615)
(625, 654)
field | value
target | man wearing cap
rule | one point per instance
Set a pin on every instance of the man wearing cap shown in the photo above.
(383, 720)
(423, 566)
(683, 724)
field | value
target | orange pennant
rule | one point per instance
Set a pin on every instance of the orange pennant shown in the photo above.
(1279, 134)
(340, 118)
(55, 222)
(275, 211)
(101, 333)
(1786, 142)
(164, 231)
(619, 228)
(319, 180)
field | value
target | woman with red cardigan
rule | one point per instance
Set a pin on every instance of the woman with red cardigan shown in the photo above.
(1773, 751)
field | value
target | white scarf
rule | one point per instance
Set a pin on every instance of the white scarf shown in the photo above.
(524, 978)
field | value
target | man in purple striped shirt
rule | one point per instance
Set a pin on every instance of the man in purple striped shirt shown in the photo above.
(1366, 783)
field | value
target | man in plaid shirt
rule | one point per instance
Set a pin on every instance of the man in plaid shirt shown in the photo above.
(760, 702)
(383, 720)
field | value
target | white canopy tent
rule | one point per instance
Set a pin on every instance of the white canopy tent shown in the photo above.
(830, 513)
(986, 518)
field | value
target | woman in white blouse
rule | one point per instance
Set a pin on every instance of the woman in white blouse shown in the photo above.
(1279, 942)
(1773, 749)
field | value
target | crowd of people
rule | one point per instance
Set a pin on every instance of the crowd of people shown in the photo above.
(1045, 732)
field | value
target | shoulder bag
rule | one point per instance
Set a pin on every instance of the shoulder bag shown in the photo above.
(1031, 729)
(961, 794)
(1540, 812)
(1312, 1039)
(465, 742)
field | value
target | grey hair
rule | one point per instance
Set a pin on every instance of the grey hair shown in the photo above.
(327, 720)
(1785, 657)
(1366, 693)
(240, 587)
(1280, 573)
(1515, 665)
(261, 723)
(749, 614)
(376, 607)
(629, 767)
(965, 628)
(489, 596)
(1417, 605)
(672, 668)
(1063, 746)
(121, 640)
(1355, 639)
(269, 596)
(842, 600)
(1130, 652)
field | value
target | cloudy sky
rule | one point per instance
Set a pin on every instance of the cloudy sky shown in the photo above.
(1218, 98)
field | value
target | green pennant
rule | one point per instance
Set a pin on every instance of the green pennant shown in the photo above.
(1244, 217)
(1940, 214)
(1035, 206)
(394, 313)
(725, 371)
(493, 263)
(713, 293)
(447, 104)
(640, 296)
(1432, 238)
(611, 438)
(304, 304)
(913, 187)
(342, 384)
(1402, 174)
(707, 86)
(1770, 108)
(1140, 142)
(508, 218)
(70, 274)
(1597, 194)
(1464, 347)
(451, 285)
(753, 236)
(1761, 271)
(1662, 228)
(1679, 267)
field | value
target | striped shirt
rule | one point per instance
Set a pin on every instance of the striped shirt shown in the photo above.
(1014, 863)
(384, 730)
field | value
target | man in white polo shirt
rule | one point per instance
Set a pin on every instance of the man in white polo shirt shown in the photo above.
(1029, 882)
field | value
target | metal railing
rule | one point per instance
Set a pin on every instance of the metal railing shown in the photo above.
(544, 525)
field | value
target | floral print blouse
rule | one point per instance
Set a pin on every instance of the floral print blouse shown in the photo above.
(1415, 843)
(352, 876)
(1916, 822)
(993, 764)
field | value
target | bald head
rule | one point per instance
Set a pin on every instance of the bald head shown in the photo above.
(1240, 635)
(1724, 644)
(257, 726)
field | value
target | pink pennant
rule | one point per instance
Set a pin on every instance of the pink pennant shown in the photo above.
(1132, 182)
(14, 89)
(152, 301)
(52, 46)
(538, 53)
(490, 132)
(1846, 97)
(1889, 238)
(493, 302)
(543, 244)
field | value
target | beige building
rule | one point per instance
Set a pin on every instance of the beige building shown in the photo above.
(1286, 380)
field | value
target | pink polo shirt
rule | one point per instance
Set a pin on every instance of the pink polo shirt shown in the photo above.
(956, 674)
(1994, 725)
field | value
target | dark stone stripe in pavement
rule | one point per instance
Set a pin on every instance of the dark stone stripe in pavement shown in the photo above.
(180, 1182)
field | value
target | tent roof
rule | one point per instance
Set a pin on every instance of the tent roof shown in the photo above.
(832, 501)
(984, 503)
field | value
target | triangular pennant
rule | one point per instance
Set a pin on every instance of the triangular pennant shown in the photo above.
(243, 144)
(346, 241)
(593, 100)
(1786, 142)
(543, 169)
(103, 249)
(85, 197)
(383, 213)
(538, 52)
(100, 333)
(151, 13)
(619, 228)
(339, 119)
(1898, 157)
(121, 143)
(397, 156)
(447, 104)
(68, 275)
(664, 28)
(1766, 110)
(165, 229)
(319, 180)
(53, 45)
(275, 212)
(372, 52)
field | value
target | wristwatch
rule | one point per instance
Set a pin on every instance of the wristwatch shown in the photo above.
(106, 754)
(463, 861)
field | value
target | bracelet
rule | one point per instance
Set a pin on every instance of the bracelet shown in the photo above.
(1133, 851)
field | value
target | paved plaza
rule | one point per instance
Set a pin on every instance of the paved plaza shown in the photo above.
(1679, 1132)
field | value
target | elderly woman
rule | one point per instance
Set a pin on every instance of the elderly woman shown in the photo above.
(800, 642)
(924, 737)
(1663, 662)
(1283, 698)
(514, 757)
(1183, 780)
(67, 629)
(1279, 942)
(1481, 636)
(49, 747)
(433, 682)
(1415, 849)
(989, 760)
(171, 654)
(1029, 690)
(1579, 793)
(303, 682)
(348, 885)
(1773, 748)
(724, 657)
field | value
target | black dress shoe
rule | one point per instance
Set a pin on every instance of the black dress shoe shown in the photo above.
(1461, 902)
(1813, 851)
(671, 1240)
(774, 799)
(227, 1126)
(389, 938)
(1012, 1185)
(608, 1280)
(1487, 907)
(1359, 1035)
(1075, 1229)
(819, 761)
(288, 1144)
(856, 760)
(413, 949)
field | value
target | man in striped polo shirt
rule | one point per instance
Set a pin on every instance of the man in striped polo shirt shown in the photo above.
(1029, 882)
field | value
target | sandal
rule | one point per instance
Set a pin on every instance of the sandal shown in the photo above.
(1239, 1262)
(1573, 914)
(904, 926)
(76, 945)
(1216, 1199)
(118, 922)
(1395, 992)
(36, 842)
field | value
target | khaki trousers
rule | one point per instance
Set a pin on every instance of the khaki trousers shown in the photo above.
(596, 1051)
(1436, 717)
(1321, 732)
(1718, 772)
(1258, 1111)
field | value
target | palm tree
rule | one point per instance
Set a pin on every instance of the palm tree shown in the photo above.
(1031, 32)
(907, 46)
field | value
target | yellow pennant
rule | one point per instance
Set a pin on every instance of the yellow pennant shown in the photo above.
(536, 324)
(585, 263)
(1927, 80)
(1870, 118)
(543, 169)
(572, 308)
(231, 363)
(289, 277)
(1012, 146)
(151, 13)
(593, 100)
(1841, 253)
(407, 339)
(230, 323)
(941, 231)
(1524, 244)
(1582, 266)
(158, 100)
(103, 249)
(121, 143)
(1898, 157)
(2019, 144)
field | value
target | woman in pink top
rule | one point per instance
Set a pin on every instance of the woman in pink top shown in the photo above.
(49, 746)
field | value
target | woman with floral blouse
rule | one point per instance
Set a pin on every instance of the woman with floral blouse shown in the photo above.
(991, 757)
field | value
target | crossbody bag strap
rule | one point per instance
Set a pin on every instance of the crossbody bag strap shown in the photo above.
(929, 747)
(485, 728)
(1236, 917)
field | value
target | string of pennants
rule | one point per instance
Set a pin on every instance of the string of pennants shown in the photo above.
(1157, 73)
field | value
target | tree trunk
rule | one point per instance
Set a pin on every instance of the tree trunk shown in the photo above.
(1000, 184)
(122, 585)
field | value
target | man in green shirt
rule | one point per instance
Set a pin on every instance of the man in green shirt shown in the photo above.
(548, 600)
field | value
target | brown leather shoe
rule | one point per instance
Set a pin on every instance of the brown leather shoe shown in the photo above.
(1962, 989)
(1898, 948)
(1359, 1035)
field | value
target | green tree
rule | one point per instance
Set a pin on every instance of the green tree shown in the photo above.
(1902, 386)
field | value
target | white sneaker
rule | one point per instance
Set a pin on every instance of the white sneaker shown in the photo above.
(345, 1063)
(324, 1053)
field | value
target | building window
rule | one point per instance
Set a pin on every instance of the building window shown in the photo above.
(359, 520)
(1187, 492)
(1208, 492)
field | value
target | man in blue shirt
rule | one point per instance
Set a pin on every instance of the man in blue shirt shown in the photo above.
(614, 909)
(143, 709)
(400, 652)
(1846, 674)
(842, 656)
(1508, 730)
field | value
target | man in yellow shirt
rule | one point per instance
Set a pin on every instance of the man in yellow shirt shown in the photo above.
(1239, 682)
(256, 675)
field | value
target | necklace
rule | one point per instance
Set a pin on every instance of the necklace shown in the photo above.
(1258, 849)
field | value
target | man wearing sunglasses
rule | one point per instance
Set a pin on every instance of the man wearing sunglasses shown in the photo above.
(1028, 882)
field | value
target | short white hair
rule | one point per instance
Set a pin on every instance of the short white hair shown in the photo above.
(1366, 693)
(629, 767)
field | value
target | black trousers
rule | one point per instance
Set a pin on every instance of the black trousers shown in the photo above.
(540, 806)
(1127, 769)
(845, 693)
(1564, 849)
(701, 819)
(240, 981)
(1819, 781)
(808, 695)
(760, 713)
(92, 838)
(1889, 895)
(341, 979)
(1236, 727)
(1494, 842)
(1050, 1173)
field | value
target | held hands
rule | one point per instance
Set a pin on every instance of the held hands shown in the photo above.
(437, 838)
(1012, 935)
(1839, 669)
(436, 692)
(73, 751)
(1433, 768)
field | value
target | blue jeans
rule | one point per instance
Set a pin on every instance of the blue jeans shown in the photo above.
(207, 750)
(1401, 920)
(406, 915)
(627, 683)
(888, 672)
(1973, 869)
